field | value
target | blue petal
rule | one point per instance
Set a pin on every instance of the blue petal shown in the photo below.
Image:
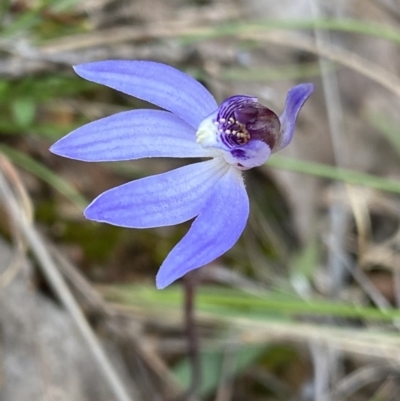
(215, 231)
(294, 102)
(156, 83)
(253, 154)
(131, 135)
(159, 200)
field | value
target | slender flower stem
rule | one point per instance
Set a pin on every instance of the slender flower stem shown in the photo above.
(189, 284)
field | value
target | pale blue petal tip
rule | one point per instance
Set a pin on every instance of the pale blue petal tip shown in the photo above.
(88, 213)
(58, 149)
(94, 212)
(78, 68)
(300, 93)
(162, 282)
(295, 100)
(165, 277)
(64, 148)
(308, 89)
(54, 148)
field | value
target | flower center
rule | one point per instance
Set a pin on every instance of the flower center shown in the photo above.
(233, 131)
(243, 127)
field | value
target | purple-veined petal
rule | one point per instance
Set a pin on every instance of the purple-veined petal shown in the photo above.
(294, 101)
(159, 200)
(131, 135)
(156, 83)
(215, 230)
(253, 154)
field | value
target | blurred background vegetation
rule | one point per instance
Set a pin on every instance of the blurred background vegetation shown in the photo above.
(305, 307)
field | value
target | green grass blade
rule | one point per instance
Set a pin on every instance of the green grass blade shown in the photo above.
(344, 25)
(334, 173)
(231, 303)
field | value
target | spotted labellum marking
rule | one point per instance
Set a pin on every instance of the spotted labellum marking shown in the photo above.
(239, 134)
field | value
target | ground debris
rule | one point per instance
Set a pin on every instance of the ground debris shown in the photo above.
(43, 356)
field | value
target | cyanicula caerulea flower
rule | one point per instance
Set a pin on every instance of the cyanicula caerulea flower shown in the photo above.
(239, 134)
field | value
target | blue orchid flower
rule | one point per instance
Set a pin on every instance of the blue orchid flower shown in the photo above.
(239, 134)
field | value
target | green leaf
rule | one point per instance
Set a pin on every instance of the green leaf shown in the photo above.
(334, 173)
(214, 366)
(231, 303)
(24, 110)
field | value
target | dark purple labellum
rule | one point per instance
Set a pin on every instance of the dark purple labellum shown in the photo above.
(242, 118)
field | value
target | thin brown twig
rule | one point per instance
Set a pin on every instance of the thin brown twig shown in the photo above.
(342, 56)
(20, 246)
(175, 30)
(96, 303)
(82, 286)
(61, 289)
(358, 379)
